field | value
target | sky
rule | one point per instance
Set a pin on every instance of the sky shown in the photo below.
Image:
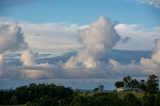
(70, 39)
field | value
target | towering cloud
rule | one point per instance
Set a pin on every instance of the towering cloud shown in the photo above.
(28, 57)
(11, 37)
(30, 68)
(152, 65)
(99, 38)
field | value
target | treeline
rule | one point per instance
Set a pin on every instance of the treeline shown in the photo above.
(37, 95)
(52, 95)
(150, 86)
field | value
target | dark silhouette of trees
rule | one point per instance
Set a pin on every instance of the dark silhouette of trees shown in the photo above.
(152, 84)
(119, 84)
(142, 85)
(127, 79)
(37, 94)
(100, 88)
(134, 83)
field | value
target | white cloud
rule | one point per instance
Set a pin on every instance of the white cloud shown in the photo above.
(2, 60)
(155, 3)
(11, 37)
(152, 65)
(30, 67)
(28, 57)
(55, 38)
(146, 66)
(99, 38)
(140, 37)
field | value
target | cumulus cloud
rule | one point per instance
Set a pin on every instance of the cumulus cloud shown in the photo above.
(99, 38)
(28, 57)
(30, 68)
(146, 66)
(152, 65)
(134, 34)
(11, 37)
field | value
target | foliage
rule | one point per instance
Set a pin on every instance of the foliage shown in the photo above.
(36, 95)
(152, 84)
(52, 95)
(119, 84)
(131, 100)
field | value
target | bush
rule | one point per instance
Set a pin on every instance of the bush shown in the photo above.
(131, 100)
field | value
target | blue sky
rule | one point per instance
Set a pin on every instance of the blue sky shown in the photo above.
(81, 11)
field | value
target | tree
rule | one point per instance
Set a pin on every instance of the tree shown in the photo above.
(80, 100)
(148, 100)
(101, 88)
(96, 89)
(127, 79)
(13, 100)
(134, 83)
(107, 99)
(142, 85)
(157, 100)
(131, 100)
(152, 84)
(119, 84)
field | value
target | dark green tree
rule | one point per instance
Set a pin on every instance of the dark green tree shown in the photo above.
(157, 100)
(131, 100)
(127, 79)
(119, 84)
(80, 100)
(148, 100)
(101, 88)
(152, 84)
(134, 83)
(142, 85)
(107, 99)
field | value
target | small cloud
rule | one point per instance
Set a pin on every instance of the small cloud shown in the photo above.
(155, 3)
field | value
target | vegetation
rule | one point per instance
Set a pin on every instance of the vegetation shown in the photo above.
(150, 87)
(52, 95)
